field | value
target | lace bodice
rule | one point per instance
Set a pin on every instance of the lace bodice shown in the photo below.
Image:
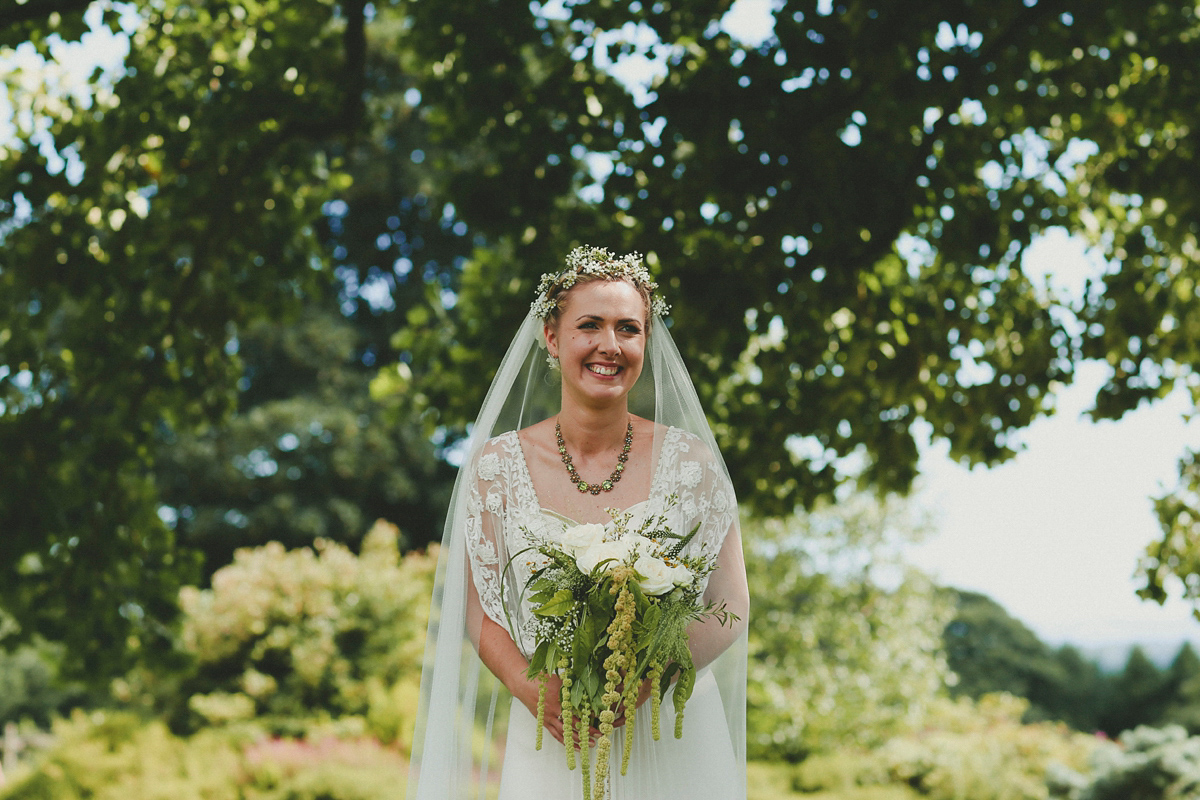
(503, 510)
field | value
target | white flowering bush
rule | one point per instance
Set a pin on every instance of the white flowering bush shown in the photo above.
(306, 633)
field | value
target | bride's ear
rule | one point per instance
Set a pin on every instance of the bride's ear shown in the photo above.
(551, 339)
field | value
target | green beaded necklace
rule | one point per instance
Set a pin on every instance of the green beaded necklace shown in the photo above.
(580, 483)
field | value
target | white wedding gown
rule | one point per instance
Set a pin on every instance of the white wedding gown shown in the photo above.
(705, 763)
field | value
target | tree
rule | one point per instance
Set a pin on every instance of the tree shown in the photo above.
(1183, 690)
(1080, 699)
(184, 209)
(1137, 695)
(990, 651)
(308, 455)
(838, 214)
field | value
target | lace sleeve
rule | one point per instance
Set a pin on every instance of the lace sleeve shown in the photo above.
(704, 494)
(705, 497)
(484, 527)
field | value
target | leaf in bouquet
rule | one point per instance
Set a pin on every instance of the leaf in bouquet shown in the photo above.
(560, 558)
(545, 594)
(579, 692)
(668, 674)
(640, 598)
(645, 628)
(594, 688)
(542, 656)
(589, 635)
(561, 603)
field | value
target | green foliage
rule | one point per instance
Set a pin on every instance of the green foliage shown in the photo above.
(30, 686)
(1138, 695)
(110, 755)
(309, 455)
(159, 216)
(837, 212)
(113, 756)
(990, 651)
(1151, 764)
(294, 637)
(967, 750)
(1173, 562)
(1183, 682)
(838, 657)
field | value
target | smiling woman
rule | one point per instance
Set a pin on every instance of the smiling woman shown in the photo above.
(601, 438)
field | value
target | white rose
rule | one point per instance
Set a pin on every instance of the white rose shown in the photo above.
(657, 578)
(681, 575)
(576, 539)
(620, 551)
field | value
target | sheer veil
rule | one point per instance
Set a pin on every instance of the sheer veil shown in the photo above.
(458, 739)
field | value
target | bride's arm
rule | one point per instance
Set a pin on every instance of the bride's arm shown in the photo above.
(708, 638)
(503, 658)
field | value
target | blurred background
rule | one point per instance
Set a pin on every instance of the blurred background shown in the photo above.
(932, 266)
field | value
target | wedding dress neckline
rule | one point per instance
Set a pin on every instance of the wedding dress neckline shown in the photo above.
(527, 476)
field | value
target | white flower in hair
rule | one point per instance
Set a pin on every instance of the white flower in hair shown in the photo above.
(597, 261)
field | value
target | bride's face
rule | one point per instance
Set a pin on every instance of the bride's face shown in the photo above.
(600, 339)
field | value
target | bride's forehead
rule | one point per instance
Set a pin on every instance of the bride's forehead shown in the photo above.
(614, 296)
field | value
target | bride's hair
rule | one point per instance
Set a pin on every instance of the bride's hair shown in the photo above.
(585, 264)
(557, 293)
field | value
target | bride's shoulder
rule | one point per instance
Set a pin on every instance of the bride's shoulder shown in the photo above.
(498, 449)
(681, 443)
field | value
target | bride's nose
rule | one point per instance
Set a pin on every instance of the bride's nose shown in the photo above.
(608, 342)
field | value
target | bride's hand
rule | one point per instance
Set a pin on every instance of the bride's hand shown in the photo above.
(553, 711)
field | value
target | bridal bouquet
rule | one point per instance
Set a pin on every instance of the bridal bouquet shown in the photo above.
(612, 604)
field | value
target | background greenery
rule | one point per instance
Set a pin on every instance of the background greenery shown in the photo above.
(254, 282)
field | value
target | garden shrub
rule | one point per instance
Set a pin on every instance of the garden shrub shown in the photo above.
(969, 750)
(118, 756)
(289, 637)
(1150, 764)
(30, 686)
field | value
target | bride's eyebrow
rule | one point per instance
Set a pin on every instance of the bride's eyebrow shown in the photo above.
(599, 318)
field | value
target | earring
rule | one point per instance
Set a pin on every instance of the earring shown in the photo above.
(552, 360)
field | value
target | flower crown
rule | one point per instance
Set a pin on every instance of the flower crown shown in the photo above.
(600, 262)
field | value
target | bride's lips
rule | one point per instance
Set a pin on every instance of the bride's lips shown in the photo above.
(608, 370)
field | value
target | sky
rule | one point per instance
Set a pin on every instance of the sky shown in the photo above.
(1055, 534)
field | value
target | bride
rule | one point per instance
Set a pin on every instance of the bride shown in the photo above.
(605, 418)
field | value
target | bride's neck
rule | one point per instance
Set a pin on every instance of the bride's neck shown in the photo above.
(594, 430)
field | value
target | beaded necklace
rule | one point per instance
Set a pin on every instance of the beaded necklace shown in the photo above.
(580, 483)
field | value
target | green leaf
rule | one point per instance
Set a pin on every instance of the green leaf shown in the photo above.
(561, 603)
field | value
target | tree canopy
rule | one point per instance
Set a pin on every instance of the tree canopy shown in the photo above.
(837, 212)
